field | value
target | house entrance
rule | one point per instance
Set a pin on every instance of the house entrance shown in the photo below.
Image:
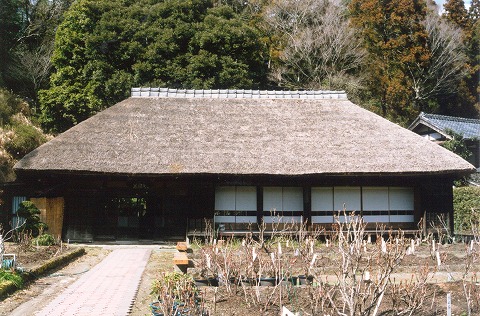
(124, 218)
(131, 218)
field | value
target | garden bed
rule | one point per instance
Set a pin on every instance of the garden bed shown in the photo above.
(34, 261)
(391, 276)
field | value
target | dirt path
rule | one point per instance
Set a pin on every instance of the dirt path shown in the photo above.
(38, 294)
(160, 260)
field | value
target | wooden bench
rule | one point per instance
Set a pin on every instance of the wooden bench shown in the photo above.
(182, 246)
(181, 258)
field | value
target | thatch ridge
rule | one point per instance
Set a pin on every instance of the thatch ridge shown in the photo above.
(236, 93)
(158, 136)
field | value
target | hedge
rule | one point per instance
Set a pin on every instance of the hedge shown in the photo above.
(466, 200)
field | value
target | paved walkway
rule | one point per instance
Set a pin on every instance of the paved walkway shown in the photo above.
(109, 288)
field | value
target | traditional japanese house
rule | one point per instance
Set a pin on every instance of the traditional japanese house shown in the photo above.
(158, 163)
(440, 128)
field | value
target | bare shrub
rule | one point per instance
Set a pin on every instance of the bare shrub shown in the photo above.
(409, 295)
(364, 272)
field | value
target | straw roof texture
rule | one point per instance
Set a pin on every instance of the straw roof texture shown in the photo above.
(158, 135)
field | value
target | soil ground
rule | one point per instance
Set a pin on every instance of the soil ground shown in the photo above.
(241, 301)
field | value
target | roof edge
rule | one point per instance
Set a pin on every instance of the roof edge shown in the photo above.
(237, 93)
(452, 172)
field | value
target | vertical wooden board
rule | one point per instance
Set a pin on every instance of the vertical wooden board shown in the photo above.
(55, 216)
(41, 204)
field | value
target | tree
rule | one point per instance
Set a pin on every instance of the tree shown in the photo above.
(103, 48)
(397, 44)
(27, 30)
(474, 11)
(446, 66)
(457, 145)
(317, 48)
(474, 51)
(11, 24)
(456, 13)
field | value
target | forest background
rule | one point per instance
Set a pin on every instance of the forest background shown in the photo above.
(62, 61)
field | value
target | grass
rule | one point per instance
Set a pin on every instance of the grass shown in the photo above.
(7, 276)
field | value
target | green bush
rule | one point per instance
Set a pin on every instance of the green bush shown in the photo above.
(44, 240)
(33, 225)
(7, 275)
(466, 200)
(26, 138)
(10, 105)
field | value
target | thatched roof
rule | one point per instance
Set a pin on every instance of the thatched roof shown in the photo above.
(291, 134)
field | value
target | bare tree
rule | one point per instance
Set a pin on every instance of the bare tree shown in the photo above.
(317, 47)
(448, 60)
(36, 64)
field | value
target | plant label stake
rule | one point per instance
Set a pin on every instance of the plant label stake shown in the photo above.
(433, 245)
(366, 276)
(208, 261)
(412, 246)
(279, 249)
(286, 312)
(384, 246)
(437, 254)
(449, 304)
(313, 260)
(409, 251)
(2, 250)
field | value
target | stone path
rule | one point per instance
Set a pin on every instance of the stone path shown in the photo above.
(109, 288)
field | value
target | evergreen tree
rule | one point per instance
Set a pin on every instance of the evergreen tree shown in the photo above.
(456, 13)
(396, 40)
(11, 24)
(463, 103)
(104, 47)
(474, 11)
